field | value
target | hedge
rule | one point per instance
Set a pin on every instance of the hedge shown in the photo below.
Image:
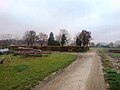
(114, 51)
(59, 48)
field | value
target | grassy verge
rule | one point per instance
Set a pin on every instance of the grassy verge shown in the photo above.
(105, 60)
(111, 76)
(21, 73)
(115, 55)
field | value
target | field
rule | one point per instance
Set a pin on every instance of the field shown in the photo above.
(115, 55)
(114, 48)
(21, 73)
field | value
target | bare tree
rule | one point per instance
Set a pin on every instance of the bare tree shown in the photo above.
(58, 37)
(63, 37)
(16, 40)
(5, 40)
(30, 37)
(111, 44)
(42, 38)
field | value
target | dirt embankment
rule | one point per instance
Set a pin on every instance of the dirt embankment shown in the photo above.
(83, 74)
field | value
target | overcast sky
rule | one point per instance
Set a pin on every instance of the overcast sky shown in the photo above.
(101, 17)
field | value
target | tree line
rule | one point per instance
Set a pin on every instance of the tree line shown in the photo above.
(61, 39)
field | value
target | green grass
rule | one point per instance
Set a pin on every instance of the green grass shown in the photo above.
(114, 48)
(115, 55)
(21, 73)
(112, 78)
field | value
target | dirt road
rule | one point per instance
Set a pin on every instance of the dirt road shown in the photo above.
(83, 74)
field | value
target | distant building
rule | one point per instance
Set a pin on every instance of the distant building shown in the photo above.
(102, 44)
